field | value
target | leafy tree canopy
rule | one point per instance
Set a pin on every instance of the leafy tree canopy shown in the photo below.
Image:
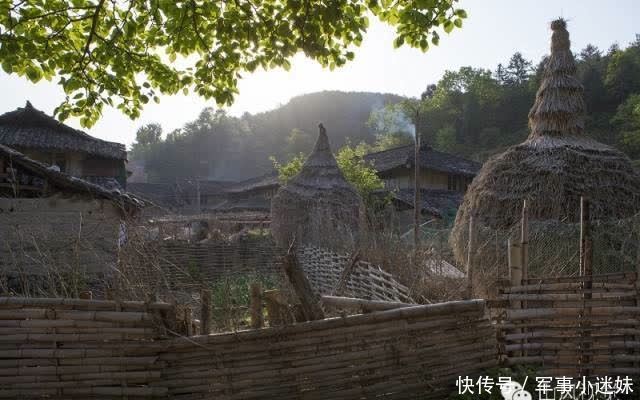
(125, 53)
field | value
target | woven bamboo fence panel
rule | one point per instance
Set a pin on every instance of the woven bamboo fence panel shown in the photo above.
(567, 328)
(414, 352)
(324, 269)
(185, 263)
(68, 348)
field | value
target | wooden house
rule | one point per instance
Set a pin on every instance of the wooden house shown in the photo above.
(438, 170)
(53, 224)
(252, 194)
(444, 178)
(45, 139)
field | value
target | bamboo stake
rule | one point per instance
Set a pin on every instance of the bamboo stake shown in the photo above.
(205, 313)
(255, 307)
(470, 251)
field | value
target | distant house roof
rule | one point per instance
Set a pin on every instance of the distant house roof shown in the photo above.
(175, 195)
(429, 158)
(266, 181)
(254, 203)
(68, 183)
(436, 202)
(27, 127)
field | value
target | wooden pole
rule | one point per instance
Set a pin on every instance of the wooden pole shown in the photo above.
(277, 307)
(586, 270)
(470, 251)
(417, 207)
(585, 239)
(255, 307)
(205, 312)
(515, 275)
(310, 301)
(346, 274)
(524, 240)
(524, 264)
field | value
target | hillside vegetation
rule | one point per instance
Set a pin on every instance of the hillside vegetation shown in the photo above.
(473, 112)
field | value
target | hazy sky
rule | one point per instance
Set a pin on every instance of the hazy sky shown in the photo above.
(494, 30)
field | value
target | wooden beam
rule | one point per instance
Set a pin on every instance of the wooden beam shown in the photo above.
(310, 301)
(361, 304)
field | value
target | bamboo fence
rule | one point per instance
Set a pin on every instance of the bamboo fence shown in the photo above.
(325, 270)
(412, 352)
(572, 326)
(72, 348)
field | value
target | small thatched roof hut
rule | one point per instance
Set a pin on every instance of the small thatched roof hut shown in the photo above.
(317, 206)
(554, 167)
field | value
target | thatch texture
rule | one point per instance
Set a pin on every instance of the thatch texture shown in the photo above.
(554, 167)
(317, 206)
(60, 182)
(28, 127)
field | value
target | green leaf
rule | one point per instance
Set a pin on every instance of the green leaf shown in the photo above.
(457, 22)
(461, 13)
(398, 42)
(448, 26)
(33, 73)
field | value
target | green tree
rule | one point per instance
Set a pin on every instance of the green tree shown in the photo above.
(124, 53)
(627, 121)
(147, 136)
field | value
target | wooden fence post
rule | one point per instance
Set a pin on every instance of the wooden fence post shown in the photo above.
(309, 300)
(205, 312)
(524, 240)
(515, 276)
(586, 272)
(277, 307)
(255, 307)
(470, 251)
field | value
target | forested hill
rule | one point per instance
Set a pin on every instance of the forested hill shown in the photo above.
(345, 115)
(473, 112)
(219, 146)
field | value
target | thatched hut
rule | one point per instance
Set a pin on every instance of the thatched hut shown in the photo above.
(552, 169)
(317, 206)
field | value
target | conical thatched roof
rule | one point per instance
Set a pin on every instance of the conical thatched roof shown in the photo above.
(555, 165)
(317, 199)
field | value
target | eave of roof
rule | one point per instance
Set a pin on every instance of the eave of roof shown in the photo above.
(404, 156)
(71, 183)
(28, 127)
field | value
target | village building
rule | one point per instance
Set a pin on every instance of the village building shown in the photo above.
(43, 138)
(253, 194)
(183, 196)
(318, 205)
(556, 166)
(438, 170)
(53, 224)
(444, 178)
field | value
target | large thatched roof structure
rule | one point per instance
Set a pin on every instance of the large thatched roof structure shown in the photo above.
(555, 165)
(317, 206)
(30, 128)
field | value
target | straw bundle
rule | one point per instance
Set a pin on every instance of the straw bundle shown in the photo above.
(317, 206)
(552, 169)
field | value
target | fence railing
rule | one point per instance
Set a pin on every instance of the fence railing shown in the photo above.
(61, 348)
(572, 326)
